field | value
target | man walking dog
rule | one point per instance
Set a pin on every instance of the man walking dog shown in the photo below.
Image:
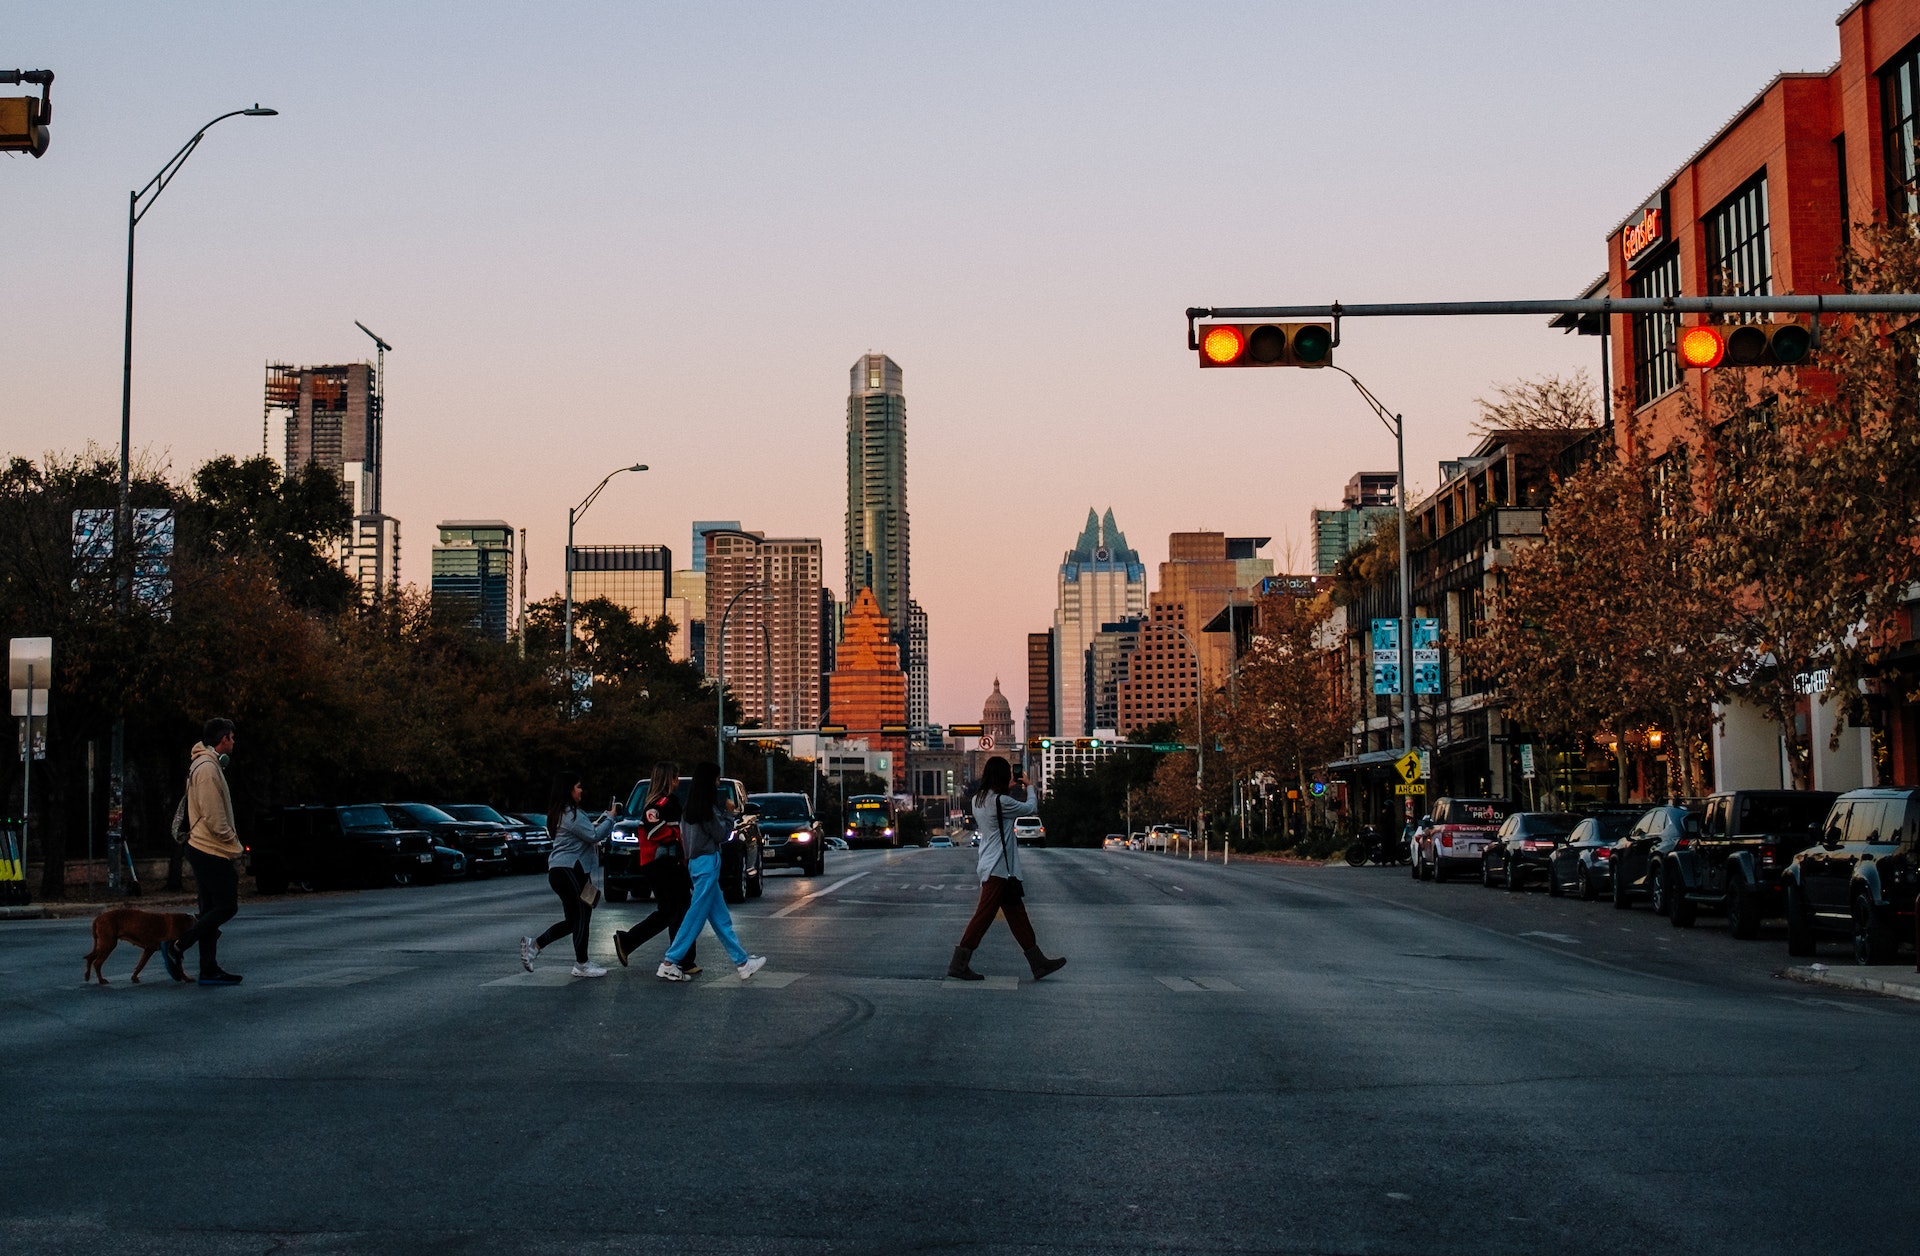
(214, 850)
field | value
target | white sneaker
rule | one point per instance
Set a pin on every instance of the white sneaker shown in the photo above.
(589, 969)
(753, 965)
(528, 949)
(670, 971)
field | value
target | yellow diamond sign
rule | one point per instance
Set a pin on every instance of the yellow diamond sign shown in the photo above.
(1408, 766)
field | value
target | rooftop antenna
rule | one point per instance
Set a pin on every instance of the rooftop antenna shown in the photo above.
(379, 414)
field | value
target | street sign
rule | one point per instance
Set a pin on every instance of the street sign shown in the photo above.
(1526, 762)
(733, 730)
(1319, 788)
(1168, 747)
(1412, 787)
(1408, 766)
(965, 730)
(34, 652)
(1426, 762)
(1386, 656)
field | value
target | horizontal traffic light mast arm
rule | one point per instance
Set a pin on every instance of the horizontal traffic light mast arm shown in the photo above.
(1830, 303)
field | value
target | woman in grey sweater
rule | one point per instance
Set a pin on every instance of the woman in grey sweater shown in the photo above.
(570, 871)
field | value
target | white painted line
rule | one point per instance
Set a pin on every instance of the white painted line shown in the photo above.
(1004, 981)
(1219, 985)
(1179, 985)
(791, 908)
(539, 977)
(1561, 938)
(336, 978)
(724, 980)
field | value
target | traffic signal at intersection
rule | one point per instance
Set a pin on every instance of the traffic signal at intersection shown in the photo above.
(1266, 344)
(1707, 346)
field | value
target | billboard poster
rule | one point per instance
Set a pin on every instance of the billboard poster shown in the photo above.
(1386, 656)
(1426, 656)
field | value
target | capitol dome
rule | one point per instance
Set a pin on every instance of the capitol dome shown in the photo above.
(996, 720)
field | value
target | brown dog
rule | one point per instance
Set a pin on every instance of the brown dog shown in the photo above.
(144, 929)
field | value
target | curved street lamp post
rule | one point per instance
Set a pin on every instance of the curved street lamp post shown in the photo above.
(573, 516)
(720, 677)
(138, 203)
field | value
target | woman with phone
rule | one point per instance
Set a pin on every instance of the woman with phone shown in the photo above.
(570, 871)
(663, 866)
(704, 827)
(1002, 798)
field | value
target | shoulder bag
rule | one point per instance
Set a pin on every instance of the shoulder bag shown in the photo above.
(1013, 892)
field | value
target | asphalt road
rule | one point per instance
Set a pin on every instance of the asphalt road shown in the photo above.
(1254, 1058)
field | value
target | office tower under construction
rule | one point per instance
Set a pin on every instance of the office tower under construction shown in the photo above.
(332, 416)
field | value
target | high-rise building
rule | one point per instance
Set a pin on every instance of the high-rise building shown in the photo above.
(877, 541)
(1101, 581)
(916, 655)
(692, 586)
(332, 416)
(1107, 665)
(473, 572)
(830, 608)
(869, 687)
(638, 577)
(700, 529)
(772, 645)
(1040, 684)
(1369, 498)
(1176, 661)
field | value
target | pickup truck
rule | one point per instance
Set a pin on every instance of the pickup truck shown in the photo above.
(1738, 862)
(1458, 835)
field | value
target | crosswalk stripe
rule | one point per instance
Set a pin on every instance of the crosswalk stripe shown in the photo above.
(336, 978)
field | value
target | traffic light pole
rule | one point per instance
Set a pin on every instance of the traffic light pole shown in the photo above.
(1601, 307)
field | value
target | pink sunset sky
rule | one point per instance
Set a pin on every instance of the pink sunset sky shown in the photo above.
(605, 233)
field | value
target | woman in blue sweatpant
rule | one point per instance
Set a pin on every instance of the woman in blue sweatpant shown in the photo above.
(703, 828)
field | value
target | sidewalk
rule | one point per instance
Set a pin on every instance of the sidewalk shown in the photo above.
(1899, 983)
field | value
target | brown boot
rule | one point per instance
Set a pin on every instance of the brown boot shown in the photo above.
(958, 966)
(1041, 965)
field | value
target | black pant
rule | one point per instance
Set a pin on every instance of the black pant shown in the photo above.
(567, 883)
(218, 880)
(672, 891)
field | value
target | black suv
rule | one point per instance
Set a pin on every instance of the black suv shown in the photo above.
(315, 846)
(1738, 863)
(483, 843)
(1524, 846)
(527, 843)
(790, 836)
(740, 856)
(1640, 855)
(1860, 879)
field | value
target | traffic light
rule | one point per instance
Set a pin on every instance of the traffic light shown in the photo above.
(1266, 344)
(1705, 347)
(1046, 743)
(23, 120)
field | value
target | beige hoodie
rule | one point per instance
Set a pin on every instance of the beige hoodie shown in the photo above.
(210, 806)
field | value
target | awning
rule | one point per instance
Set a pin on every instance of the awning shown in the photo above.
(1371, 759)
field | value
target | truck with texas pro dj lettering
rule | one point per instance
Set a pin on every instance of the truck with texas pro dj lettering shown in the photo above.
(1459, 833)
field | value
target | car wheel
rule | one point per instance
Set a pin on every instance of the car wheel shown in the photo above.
(755, 883)
(1681, 910)
(1800, 936)
(1554, 888)
(403, 878)
(1658, 887)
(1588, 890)
(1873, 940)
(1415, 865)
(1514, 878)
(1622, 896)
(1743, 911)
(1486, 872)
(1437, 872)
(616, 893)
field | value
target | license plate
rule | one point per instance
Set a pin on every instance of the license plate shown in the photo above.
(424, 858)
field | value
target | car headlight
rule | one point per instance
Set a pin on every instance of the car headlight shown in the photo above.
(886, 833)
(803, 836)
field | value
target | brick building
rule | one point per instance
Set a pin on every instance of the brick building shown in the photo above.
(868, 688)
(1764, 208)
(1174, 662)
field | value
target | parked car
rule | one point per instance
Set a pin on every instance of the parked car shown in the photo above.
(1860, 879)
(1738, 863)
(941, 840)
(448, 863)
(1028, 831)
(527, 842)
(1584, 862)
(1523, 846)
(1640, 853)
(1458, 835)
(790, 835)
(840, 843)
(741, 854)
(313, 847)
(484, 844)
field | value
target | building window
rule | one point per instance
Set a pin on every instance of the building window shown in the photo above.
(1656, 371)
(1740, 244)
(1900, 100)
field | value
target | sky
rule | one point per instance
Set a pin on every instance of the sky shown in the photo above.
(602, 233)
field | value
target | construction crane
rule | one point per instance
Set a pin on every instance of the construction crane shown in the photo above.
(374, 451)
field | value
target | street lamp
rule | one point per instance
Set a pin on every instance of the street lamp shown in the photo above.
(1395, 424)
(573, 516)
(138, 203)
(720, 677)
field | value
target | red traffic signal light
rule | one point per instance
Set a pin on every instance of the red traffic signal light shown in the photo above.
(1705, 347)
(1266, 344)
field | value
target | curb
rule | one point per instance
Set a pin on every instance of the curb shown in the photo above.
(24, 913)
(1907, 987)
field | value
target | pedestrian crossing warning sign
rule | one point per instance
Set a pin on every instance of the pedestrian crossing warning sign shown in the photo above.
(1408, 766)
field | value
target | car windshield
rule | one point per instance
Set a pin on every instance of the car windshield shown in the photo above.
(1611, 827)
(365, 818)
(728, 791)
(1786, 814)
(781, 806)
(1548, 822)
(1026, 822)
(476, 813)
(421, 813)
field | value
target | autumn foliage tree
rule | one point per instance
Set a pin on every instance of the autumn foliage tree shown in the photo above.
(1290, 709)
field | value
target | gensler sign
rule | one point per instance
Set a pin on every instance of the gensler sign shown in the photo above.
(1640, 238)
